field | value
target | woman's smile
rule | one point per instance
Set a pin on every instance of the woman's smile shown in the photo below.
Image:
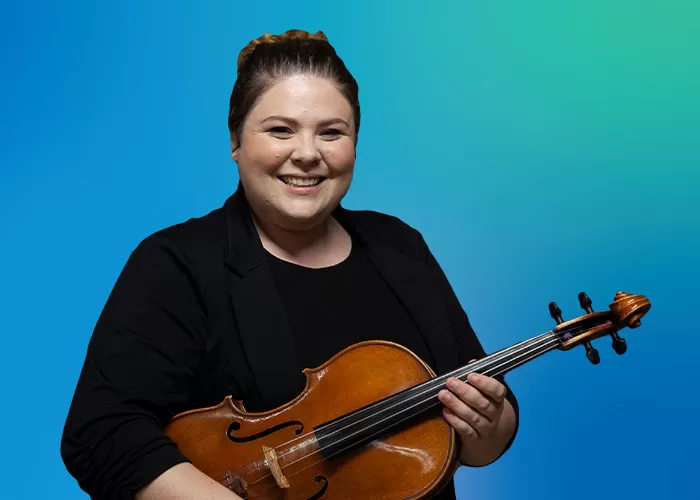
(302, 185)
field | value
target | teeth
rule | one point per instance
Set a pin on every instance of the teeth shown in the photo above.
(301, 181)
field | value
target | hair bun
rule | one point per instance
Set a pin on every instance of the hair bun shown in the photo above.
(268, 38)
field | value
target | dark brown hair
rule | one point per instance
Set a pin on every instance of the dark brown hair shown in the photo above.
(267, 59)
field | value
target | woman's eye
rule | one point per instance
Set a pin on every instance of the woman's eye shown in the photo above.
(331, 131)
(280, 130)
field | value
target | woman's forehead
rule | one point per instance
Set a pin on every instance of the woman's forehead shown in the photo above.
(302, 97)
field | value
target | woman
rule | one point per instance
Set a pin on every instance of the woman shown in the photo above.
(280, 278)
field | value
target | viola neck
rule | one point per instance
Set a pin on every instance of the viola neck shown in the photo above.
(509, 358)
(394, 411)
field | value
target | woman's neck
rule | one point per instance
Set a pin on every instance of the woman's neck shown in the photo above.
(321, 245)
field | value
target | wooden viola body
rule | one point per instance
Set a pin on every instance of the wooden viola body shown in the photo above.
(368, 424)
(279, 455)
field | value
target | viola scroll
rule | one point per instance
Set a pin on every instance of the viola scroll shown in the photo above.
(625, 311)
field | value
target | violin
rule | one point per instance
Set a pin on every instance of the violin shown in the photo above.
(368, 423)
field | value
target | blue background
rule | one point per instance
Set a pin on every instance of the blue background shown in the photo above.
(543, 148)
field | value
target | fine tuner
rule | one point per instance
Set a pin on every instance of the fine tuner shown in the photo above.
(627, 308)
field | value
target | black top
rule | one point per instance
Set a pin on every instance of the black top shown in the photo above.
(198, 314)
(332, 308)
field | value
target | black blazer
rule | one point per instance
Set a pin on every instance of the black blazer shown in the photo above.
(195, 316)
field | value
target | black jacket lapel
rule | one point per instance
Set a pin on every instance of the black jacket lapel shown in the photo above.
(263, 324)
(412, 284)
(258, 310)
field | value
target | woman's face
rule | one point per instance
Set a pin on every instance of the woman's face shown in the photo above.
(297, 152)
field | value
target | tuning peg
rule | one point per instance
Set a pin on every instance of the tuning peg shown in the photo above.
(592, 353)
(555, 312)
(619, 345)
(585, 302)
(587, 305)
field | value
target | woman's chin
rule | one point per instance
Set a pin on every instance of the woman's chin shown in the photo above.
(301, 217)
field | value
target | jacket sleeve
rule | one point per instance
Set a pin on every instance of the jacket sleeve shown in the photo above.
(467, 343)
(139, 370)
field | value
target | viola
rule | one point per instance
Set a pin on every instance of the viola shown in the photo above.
(368, 423)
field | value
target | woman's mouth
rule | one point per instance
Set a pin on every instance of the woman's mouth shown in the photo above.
(301, 181)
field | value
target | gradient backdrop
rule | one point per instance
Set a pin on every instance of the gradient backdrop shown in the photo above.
(543, 148)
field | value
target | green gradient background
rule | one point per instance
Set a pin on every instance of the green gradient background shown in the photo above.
(543, 149)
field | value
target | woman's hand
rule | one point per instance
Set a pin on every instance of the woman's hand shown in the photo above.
(483, 419)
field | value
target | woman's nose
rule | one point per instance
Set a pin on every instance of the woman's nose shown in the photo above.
(306, 151)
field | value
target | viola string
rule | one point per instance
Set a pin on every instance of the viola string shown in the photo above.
(536, 348)
(437, 402)
(341, 450)
(430, 386)
(532, 345)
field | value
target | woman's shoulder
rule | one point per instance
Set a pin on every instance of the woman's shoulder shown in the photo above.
(385, 228)
(372, 219)
(196, 242)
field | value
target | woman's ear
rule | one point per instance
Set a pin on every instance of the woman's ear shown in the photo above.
(234, 148)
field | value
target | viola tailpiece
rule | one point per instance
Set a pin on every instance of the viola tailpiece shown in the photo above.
(368, 423)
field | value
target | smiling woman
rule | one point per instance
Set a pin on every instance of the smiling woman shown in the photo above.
(281, 278)
(295, 154)
(295, 148)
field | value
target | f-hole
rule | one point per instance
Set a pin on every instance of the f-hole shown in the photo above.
(319, 493)
(236, 426)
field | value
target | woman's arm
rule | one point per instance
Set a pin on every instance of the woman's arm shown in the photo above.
(185, 482)
(141, 366)
(477, 453)
(469, 348)
(482, 417)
